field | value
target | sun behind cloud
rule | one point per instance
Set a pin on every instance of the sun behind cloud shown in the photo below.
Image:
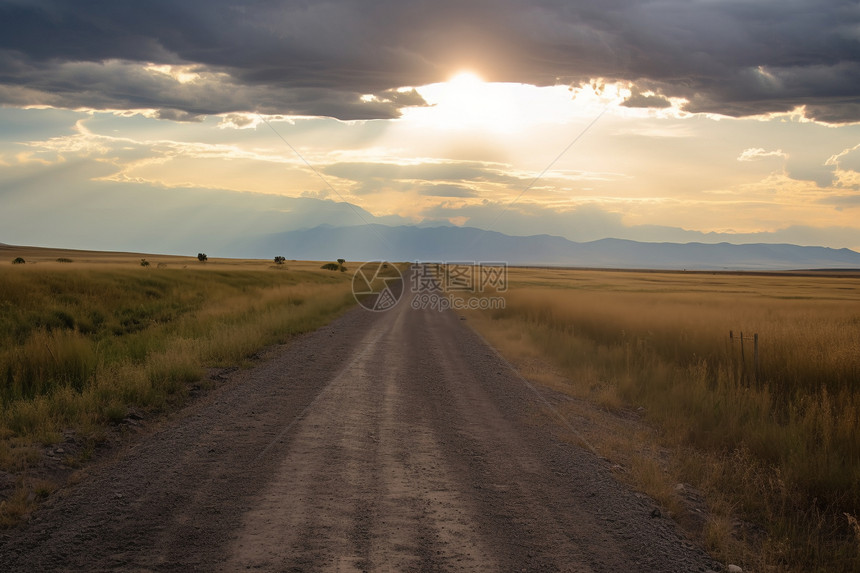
(462, 102)
(468, 103)
(465, 79)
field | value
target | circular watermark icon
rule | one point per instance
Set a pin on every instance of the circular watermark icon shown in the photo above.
(377, 286)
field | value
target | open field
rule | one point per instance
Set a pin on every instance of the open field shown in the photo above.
(85, 343)
(89, 346)
(50, 257)
(776, 447)
(382, 441)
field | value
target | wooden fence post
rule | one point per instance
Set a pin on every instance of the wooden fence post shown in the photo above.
(755, 357)
(734, 368)
(740, 372)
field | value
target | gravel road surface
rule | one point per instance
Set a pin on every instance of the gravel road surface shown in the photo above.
(392, 441)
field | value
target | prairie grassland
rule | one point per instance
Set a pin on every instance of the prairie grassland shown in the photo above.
(82, 343)
(780, 447)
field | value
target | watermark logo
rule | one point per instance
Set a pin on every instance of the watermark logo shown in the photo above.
(443, 302)
(377, 286)
(434, 286)
(458, 286)
(462, 277)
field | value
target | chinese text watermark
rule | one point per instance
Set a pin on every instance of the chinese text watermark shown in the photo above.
(379, 286)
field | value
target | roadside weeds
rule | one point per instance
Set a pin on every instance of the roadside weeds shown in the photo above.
(77, 387)
(699, 489)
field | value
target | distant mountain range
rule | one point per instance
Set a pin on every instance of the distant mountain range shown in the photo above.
(468, 244)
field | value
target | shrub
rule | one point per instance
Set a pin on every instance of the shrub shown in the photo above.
(331, 267)
(18, 261)
(64, 260)
(202, 257)
(280, 260)
(144, 263)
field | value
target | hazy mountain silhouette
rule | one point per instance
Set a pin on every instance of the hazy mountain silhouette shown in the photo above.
(467, 244)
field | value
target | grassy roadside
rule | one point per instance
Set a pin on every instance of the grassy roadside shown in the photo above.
(82, 345)
(776, 454)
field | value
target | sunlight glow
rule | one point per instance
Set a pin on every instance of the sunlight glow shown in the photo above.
(465, 80)
(466, 102)
(182, 74)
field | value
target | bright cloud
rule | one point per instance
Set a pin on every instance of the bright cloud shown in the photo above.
(662, 121)
(755, 153)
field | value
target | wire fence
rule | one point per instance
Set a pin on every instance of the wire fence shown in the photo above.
(741, 369)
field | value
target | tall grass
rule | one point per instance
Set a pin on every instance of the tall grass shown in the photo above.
(783, 442)
(78, 347)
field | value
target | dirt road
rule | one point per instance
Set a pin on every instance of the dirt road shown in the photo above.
(392, 441)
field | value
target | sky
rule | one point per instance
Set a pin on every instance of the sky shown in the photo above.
(161, 126)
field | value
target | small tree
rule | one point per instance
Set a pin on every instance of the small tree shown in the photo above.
(202, 257)
(144, 263)
(279, 260)
(330, 267)
(18, 261)
(340, 262)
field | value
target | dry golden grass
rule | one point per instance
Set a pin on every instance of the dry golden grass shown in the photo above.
(64, 258)
(83, 342)
(855, 525)
(778, 451)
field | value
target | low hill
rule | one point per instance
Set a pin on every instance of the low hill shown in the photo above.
(464, 244)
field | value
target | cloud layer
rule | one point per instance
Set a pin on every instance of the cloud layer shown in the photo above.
(349, 59)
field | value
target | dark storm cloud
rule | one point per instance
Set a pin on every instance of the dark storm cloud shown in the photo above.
(121, 85)
(319, 58)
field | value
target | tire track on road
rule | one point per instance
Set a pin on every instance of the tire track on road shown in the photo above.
(393, 441)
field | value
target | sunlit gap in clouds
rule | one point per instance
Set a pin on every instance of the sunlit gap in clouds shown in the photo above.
(513, 140)
(468, 103)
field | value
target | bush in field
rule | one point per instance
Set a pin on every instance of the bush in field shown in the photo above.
(144, 263)
(202, 257)
(64, 260)
(331, 267)
(18, 261)
(340, 262)
(279, 260)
